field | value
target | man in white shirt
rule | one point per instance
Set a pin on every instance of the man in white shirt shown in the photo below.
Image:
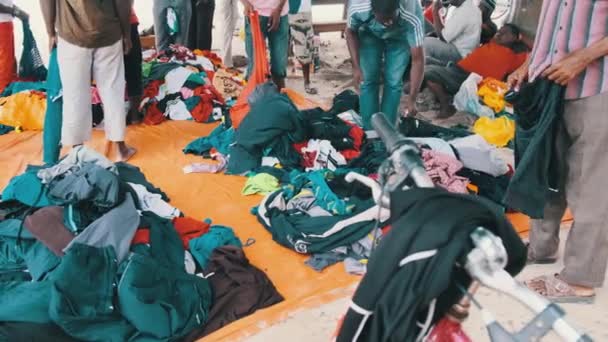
(458, 37)
(8, 64)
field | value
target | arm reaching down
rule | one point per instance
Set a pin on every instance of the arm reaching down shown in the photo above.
(416, 76)
(49, 13)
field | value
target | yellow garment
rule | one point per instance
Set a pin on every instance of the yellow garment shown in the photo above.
(492, 93)
(25, 109)
(495, 131)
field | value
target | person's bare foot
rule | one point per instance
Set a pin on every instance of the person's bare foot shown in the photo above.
(119, 151)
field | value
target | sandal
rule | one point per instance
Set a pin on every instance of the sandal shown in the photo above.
(557, 290)
(309, 90)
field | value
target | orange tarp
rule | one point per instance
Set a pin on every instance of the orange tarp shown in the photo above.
(209, 196)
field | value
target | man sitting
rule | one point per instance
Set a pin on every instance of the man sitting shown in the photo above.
(497, 59)
(458, 37)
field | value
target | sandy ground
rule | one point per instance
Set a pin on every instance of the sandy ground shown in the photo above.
(319, 324)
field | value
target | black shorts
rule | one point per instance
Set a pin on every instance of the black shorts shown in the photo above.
(133, 60)
(450, 77)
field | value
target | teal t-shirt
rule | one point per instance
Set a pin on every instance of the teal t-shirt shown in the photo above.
(408, 28)
(300, 6)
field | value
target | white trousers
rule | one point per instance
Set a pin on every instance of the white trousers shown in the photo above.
(226, 17)
(106, 66)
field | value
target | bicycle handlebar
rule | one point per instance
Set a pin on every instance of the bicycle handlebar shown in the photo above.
(387, 133)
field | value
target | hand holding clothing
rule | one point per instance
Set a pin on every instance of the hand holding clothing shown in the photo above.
(568, 68)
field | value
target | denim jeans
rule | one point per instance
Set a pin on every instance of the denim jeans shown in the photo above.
(278, 43)
(372, 52)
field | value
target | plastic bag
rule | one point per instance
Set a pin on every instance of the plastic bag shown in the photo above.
(260, 72)
(498, 132)
(492, 93)
(25, 110)
(467, 100)
(30, 64)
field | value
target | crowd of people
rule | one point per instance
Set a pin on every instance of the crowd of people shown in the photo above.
(436, 46)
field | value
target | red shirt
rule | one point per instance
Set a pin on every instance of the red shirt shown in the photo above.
(133, 19)
(493, 60)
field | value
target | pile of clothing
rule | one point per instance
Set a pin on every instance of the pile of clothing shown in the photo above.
(320, 214)
(276, 133)
(178, 85)
(91, 250)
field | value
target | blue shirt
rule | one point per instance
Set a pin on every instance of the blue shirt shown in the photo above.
(408, 27)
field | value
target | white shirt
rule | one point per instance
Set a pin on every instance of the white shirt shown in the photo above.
(3, 16)
(463, 27)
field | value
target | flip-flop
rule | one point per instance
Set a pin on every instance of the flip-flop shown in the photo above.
(309, 90)
(557, 290)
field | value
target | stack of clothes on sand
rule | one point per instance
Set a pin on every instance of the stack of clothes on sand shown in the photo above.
(180, 84)
(91, 250)
(298, 159)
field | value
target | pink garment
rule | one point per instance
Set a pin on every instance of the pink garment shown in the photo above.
(207, 167)
(187, 93)
(442, 170)
(95, 98)
(265, 7)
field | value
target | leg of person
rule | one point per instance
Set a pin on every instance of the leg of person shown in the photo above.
(207, 18)
(75, 72)
(444, 82)
(278, 42)
(109, 74)
(184, 12)
(194, 27)
(133, 76)
(302, 36)
(370, 60)
(249, 47)
(586, 253)
(227, 16)
(438, 52)
(396, 60)
(161, 35)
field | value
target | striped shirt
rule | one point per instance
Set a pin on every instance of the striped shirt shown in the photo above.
(566, 26)
(409, 26)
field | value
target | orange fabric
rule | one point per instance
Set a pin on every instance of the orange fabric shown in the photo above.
(493, 60)
(7, 55)
(216, 196)
(259, 75)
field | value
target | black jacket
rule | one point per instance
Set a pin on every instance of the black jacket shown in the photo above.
(539, 108)
(415, 263)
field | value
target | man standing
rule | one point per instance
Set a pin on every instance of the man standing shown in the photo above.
(90, 37)
(274, 24)
(8, 64)
(227, 17)
(383, 34)
(571, 49)
(302, 37)
(171, 22)
(458, 37)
